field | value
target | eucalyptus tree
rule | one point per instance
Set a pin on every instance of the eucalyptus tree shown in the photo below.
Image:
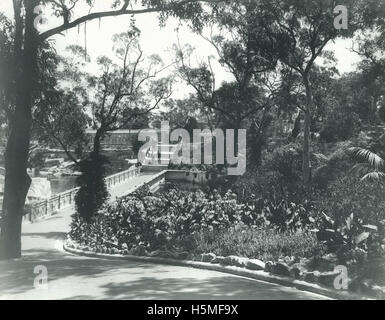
(126, 89)
(59, 114)
(61, 120)
(123, 90)
(369, 78)
(26, 41)
(304, 28)
(178, 112)
(245, 51)
(6, 33)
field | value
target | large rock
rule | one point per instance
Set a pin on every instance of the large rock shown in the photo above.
(269, 266)
(139, 251)
(281, 268)
(163, 254)
(218, 260)
(297, 271)
(288, 260)
(255, 264)
(208, 257)
(235, 261)
(155, 253)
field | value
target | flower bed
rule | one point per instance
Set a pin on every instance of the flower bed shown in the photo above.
(216, 229)
(190, 221)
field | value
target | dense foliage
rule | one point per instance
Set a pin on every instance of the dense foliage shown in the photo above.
(93, 191)
(197, 222)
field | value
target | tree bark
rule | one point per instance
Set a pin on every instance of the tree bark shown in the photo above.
(297, 127)
(306, 161)
(17, 181)
(97, 141)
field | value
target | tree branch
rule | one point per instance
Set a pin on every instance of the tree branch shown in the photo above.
(114, 13)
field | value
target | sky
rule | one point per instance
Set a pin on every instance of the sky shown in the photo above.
(158, 40)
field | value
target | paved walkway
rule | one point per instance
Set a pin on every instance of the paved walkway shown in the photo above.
(130, 185)
(74, 277)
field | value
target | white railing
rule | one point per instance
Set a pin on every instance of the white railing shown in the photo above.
(66, 199)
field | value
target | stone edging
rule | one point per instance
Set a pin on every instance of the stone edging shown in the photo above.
(256, 275)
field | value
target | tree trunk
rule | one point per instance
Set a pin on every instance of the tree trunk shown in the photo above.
(297, 127)
(17, 181)
(97, 142)
(306, 161)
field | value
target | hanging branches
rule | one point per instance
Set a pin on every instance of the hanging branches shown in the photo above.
(65, 13)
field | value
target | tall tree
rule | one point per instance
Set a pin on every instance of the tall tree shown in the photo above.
(128, 89)
(62, 123)
(6, 62)
(244, 50)
(120, 93)
(178, 111)
(304, 28)
(25, 54)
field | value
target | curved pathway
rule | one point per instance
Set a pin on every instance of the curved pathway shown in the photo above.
(74, 277)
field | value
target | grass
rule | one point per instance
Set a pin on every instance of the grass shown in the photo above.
(266, 244)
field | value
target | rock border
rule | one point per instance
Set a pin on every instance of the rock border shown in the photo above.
(238, 271)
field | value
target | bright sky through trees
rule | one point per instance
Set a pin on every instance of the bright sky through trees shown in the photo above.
(159, 40)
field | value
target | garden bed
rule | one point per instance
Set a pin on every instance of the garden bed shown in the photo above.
(216, 229)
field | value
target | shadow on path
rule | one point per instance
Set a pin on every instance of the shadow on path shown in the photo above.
(76, 277)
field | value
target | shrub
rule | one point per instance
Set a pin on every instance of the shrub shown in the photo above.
(160, 221)
(279, 177)
(351, 220)
(354, 242)
(93, 192)
(289, 216)
(190, 221)
(349, 195)
(340, 125)
(287, 162)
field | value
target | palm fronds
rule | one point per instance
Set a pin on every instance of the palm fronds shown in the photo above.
(370, 166)
(376, 175)
(368, 156)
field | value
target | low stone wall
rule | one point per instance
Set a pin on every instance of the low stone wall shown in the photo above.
(194, 177)
(148, 168)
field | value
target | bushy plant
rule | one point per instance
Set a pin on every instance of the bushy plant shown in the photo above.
(93, 192)
(341, 124)
(354, 242)
(279, 177)
(159, 221)
(351, 219)
(287, 162)
(349, 195)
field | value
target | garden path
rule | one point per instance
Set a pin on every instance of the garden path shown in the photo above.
(75, 277)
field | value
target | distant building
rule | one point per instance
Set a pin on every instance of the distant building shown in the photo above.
(119, 139)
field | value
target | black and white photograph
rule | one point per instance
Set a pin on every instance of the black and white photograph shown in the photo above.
(204, 151)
